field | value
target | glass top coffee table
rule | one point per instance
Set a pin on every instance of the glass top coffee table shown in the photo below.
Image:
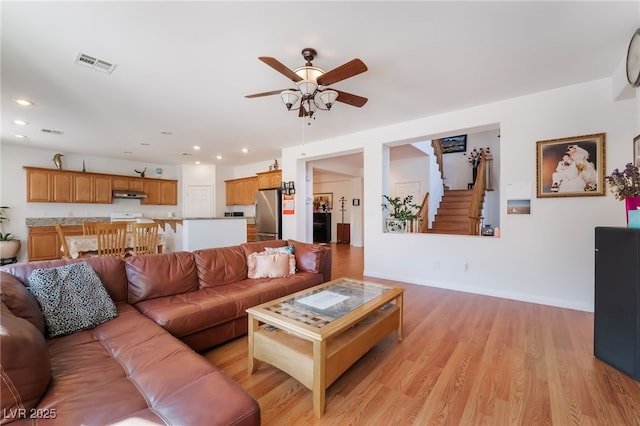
(315, 335)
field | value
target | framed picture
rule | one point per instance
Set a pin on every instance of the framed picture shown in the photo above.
(636, 150)
(453, 144)
(570, 167)
(323, 201)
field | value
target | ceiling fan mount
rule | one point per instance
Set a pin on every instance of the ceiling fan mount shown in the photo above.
(312, 92)
(309, 55)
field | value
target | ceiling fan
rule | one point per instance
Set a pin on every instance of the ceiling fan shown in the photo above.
(312, 91)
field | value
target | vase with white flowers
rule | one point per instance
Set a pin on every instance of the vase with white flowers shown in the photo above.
(625, 185)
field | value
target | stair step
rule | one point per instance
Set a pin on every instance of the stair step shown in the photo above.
(458, 227)
(453, 212)
(451, 219)
(454, 204)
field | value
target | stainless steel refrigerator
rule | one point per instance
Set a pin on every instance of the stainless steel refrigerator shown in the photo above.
(268, 214)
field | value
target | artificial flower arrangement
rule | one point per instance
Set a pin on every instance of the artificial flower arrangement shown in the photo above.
(625, 183)
(475, 155)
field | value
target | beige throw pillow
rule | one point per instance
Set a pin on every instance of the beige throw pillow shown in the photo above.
(271, 265)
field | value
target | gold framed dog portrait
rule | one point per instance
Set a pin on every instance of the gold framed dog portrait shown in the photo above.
(571, 167)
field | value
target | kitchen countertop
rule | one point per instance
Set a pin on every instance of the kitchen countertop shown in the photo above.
(51, 221)
(68, 221)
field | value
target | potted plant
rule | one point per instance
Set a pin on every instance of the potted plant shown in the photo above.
(9, 245)
(625, 185)
(401, 212)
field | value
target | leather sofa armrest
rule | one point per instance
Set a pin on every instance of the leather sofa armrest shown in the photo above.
(313, 258)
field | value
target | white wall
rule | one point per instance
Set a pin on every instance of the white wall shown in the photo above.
(545, 257)
(14, 188)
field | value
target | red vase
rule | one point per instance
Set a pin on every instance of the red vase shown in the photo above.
(631, 203)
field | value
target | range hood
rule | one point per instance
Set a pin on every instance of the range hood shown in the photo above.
(124, 193)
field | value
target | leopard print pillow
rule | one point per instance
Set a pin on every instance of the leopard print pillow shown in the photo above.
(72, 298)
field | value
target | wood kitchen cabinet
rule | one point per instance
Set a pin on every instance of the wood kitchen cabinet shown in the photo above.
(241, 191)
(91, 188)
(43, 242)
(38, 185)
(251, 232)
(160, 192)
(127, 183)
(270, 180)
(65, 186)
(62, 187)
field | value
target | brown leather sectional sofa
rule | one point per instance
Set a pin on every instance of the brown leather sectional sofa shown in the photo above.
(140, 367)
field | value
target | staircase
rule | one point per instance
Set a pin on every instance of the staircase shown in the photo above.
(452, 216)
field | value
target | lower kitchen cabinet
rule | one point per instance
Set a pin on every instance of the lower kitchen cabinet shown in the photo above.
(43, 242)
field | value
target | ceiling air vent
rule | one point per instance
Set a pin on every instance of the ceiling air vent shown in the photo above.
(95, 63)
(52, 132)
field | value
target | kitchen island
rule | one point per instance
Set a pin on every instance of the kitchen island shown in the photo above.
(210, 232)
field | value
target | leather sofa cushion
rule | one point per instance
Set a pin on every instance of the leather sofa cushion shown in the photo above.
(248, 293)
(220, 266)
(110, 269)
(159, 275)
(130, 368)
(20, 301)
(191, 312)
(26, 370)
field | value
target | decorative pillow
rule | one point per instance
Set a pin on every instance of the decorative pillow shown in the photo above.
(286, 249)
(271, 265)
(72, 298)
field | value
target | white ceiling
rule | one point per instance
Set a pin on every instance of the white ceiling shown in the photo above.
(185, 67)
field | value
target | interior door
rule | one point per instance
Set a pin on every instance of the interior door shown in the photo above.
(199, 201)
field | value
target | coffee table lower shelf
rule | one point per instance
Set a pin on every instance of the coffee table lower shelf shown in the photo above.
(317, 363)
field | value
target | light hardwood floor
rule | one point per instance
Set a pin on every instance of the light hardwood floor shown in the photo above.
(465, 360)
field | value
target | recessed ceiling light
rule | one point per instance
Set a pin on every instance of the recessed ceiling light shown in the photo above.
(196, 147)
(197, 162)
(23, 102)
(20, 122)
(245, 150)
(20, 136)
(219, 157)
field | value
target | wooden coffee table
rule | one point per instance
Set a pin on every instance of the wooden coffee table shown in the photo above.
(316, 334)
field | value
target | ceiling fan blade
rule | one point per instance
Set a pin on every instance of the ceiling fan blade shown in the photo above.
(281, 68)
(351, 68)
(258, 95)
(351, 99)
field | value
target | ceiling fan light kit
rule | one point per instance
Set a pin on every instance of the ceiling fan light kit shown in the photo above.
(312, 91)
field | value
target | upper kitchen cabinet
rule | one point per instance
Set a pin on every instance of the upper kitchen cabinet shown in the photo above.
(92, 188)
(160, 192)
(269, 180)
(38, 185)
(241, 191)
(127, 183)
(64, 186)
